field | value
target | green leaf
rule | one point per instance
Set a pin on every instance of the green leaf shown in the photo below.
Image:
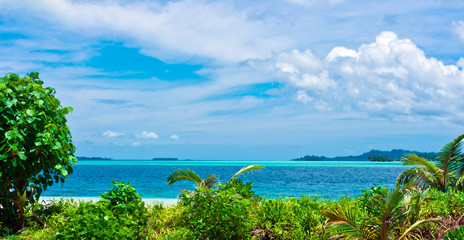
(64, 172)
(22, 155)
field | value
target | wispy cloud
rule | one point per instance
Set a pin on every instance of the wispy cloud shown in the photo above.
(146, 134)
(215, 30)
(458, 28)
(112, 134)
(174, 137)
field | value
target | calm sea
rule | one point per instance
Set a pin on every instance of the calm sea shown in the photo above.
(331, 180)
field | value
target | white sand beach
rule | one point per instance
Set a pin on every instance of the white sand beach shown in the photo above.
(164, 201)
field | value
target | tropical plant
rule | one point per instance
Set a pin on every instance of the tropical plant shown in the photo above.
(210, 181)
(216, 213)
(455, 233)
(391, 217)
(447, 172)
(120, 214)
(36, 149)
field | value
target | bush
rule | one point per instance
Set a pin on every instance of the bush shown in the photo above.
(450, 203)
(216, 213)
(121, 214)
(36, 149)
(243, 189)
(291, 218)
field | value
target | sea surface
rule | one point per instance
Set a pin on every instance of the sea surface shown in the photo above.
(328, 179)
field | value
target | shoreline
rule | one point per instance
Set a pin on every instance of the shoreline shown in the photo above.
(149, 201)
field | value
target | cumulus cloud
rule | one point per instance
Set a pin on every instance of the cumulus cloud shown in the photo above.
(146, 134)
(174, 137)
(390, 77)
(112, 134)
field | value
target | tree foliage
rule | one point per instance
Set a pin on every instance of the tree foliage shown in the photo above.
(36, 149)
(444, 173)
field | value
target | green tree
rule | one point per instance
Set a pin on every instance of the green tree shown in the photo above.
(446, 171)
(379, 158)
(36, 149)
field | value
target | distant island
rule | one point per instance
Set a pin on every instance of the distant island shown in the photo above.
(164, 159)
(92, 158)
(372, 155)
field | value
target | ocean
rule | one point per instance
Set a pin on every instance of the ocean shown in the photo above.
(328, 179)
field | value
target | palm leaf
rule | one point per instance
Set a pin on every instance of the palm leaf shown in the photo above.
(451, 158)
(420, 177)
(342, 219)
(210, 181)
(413, 159)
(392, 211)
(248, 168)
(181, 175)
(407, 232)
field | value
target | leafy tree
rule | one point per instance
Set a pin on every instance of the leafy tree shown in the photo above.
(36, 149)
(210, 181)
(445, 172)
(379, 158)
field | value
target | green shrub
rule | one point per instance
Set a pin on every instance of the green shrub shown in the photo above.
(244, 189)
(121, 214)
(455, 233)
(450, 203)
(216, 213)
(95, 221)
(291, 218)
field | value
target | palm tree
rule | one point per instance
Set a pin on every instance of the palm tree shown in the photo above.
(210, 181)
(395, 216)
(447, 172)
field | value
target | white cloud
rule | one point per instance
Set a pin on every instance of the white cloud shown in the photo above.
(174, 137)
(135, 144)
(146, 134)
(390, 77)
(460, 62)
(112, 134)
(310, 3)
(458, 28)
(216, 30)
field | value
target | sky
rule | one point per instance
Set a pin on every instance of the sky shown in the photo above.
(245, 80)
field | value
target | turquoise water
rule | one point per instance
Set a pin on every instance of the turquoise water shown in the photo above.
(328, 179)
(241, 163)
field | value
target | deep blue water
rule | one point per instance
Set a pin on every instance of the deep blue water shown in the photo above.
(278, 179)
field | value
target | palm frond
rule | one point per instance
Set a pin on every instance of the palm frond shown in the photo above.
(210, 181)
(451, 154)
(181, 175)
(342, 218)
(393, 211)
(248, 168)
(413, 159)
(407, 232)
(420, 177)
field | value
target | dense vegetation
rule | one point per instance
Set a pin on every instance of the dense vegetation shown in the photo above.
(36, 151)
(394, 155)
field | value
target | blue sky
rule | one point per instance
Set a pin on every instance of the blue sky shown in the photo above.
(263, 80)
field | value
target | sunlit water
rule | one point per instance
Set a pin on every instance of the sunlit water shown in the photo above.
(327, 179)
